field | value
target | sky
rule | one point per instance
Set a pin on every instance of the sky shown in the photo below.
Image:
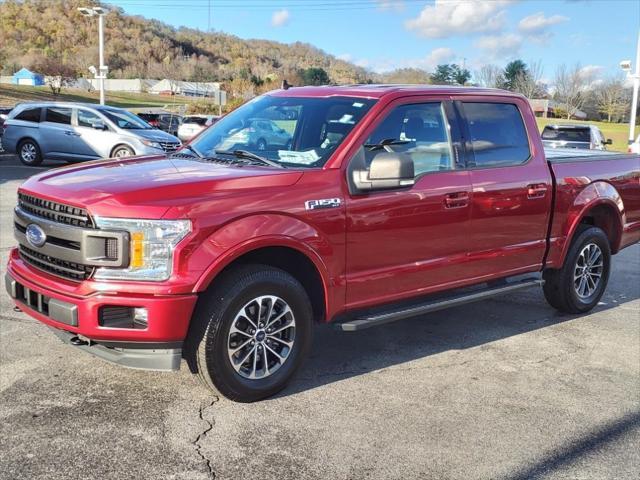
(382, 35)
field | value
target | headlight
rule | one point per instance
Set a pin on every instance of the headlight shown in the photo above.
(152, 243)
(151, 144)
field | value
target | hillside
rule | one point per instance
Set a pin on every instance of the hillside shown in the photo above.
(32, 30)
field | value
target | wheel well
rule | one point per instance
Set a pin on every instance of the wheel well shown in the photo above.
(295, 263)
(605, 217)
(24, 139)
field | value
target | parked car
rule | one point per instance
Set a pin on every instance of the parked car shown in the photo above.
(76, 132)
(167, 122)
(574, 136)
(261, 133)
(4, 113)
(192, 125)
(393, 201)
(635, 146)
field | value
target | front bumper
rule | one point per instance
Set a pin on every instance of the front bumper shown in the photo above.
(77, 317)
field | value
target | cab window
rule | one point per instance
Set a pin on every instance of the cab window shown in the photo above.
(420, 131)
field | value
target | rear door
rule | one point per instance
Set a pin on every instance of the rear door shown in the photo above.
(57, 134)
(414, 240)
(511, 185)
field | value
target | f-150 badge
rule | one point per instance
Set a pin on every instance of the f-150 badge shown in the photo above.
(323, 203)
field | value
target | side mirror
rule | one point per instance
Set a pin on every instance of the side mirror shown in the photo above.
(99, 126)
(608, 141)
(388, 170)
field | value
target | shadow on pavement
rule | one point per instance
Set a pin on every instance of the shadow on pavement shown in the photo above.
(338, 355)
(11, 169)
(560, 458)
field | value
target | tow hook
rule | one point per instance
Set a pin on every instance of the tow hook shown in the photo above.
(78, 342)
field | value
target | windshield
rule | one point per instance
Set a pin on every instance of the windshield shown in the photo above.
(292, 131)
(126, 120)
(566, 134)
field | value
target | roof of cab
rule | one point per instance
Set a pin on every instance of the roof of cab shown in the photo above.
(381, 90)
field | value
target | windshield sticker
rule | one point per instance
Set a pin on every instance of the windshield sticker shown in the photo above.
(302, 158)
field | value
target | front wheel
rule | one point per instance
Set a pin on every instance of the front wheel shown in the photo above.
(578, 286)
(29, 153)
(251, 332)
(122, 151)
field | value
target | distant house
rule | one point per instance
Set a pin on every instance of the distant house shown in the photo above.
(27, 77)
(549, 108)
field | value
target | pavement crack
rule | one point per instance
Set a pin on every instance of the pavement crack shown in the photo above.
(203, 434)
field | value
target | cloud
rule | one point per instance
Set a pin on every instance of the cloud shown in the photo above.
(500, 47)
(447, 18)
(280, 18)
(538, 23)
(436, 57)
(536, 26)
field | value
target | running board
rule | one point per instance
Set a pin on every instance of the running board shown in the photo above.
(361, 323)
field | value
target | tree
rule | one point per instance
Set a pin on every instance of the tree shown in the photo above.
(571, 84)
(450, 74)
(58, 73)
(405, 75)
(489, 76)
(610, 98)
(527, 81)
(513, 70)
(314, 76)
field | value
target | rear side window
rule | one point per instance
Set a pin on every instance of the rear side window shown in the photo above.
(58, 115)
(196, 120)
(566, 134)
(498, 135)
(29, 115)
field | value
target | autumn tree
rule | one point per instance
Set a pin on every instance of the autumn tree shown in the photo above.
(610, 98)
(571, 84)
(57, 72)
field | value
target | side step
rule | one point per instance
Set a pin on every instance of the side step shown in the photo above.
(360, 323)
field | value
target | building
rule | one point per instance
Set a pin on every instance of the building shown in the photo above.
(189, 89)
(27, 77)
(545, 108)
(131, 85)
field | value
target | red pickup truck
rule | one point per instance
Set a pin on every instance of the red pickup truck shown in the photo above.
(358, 205)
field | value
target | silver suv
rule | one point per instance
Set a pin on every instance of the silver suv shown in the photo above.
(76, 132)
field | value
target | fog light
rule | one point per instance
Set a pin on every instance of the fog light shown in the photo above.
(140, 317)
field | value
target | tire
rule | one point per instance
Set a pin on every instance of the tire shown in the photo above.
(261, 144)
(574, 288)
(29, 153)
(211, 338)
(122, 151)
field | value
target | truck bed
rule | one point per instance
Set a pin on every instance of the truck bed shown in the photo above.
(576, 154)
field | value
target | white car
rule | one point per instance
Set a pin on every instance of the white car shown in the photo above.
(194, 124)
(635, 146)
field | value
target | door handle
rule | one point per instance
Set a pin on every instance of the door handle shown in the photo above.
(536, 190)
(456, 200)
(71, 134)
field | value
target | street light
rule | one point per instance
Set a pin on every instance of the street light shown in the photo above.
(626, 66)
(101, 73)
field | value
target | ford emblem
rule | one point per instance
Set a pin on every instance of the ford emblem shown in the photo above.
(35, 235)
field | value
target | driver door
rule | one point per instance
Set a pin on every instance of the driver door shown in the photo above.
(413, 240)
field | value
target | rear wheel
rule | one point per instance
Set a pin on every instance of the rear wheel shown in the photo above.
(578, 286)
(29, 153)
(250, 333)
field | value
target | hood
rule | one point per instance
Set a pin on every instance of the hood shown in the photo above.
(151, 185)
(155, 135)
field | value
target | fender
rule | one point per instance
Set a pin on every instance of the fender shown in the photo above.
(247, 234)
(593, 195)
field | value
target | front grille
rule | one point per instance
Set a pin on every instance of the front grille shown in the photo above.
(55, 266)
(170, 146)
(57, 212)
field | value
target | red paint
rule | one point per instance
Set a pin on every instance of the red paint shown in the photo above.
(452, 228)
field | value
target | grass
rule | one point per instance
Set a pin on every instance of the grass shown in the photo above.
(12, 94)
(617, 132)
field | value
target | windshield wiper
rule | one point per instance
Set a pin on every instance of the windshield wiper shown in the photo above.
(189, 147)
(387, 142)
(247, 155)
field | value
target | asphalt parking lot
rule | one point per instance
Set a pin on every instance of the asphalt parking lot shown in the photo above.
(503, 389)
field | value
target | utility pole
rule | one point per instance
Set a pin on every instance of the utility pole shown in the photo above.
(101, 73)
